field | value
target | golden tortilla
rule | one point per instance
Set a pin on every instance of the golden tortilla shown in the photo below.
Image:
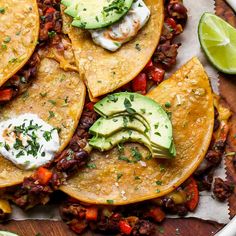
(19, 30)
(57, 97)
(104, 71)
(190, 95)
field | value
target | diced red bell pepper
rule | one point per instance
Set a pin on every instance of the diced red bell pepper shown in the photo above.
(149, 64)
(43, 175)
(139, 83)
(125, 228)
(90, 106)
(192, 193)
(157, 214)
(156, 74)
(171, 23)
(50, 10)
(6, 95)
(92, 213)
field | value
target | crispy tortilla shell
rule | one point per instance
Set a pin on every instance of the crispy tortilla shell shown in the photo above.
(190, 95)
(18, 35)
(104, 71)
(52, 84)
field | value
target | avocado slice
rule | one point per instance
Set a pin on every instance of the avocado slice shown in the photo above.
(95, 14)
(67, 3)
(148, 109)
(104, 144)
(106, 127)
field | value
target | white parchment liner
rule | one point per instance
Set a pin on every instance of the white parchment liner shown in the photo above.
(208, 209)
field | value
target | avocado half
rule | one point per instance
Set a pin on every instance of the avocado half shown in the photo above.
(95, 14)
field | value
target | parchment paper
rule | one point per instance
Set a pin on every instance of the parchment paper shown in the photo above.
(208, 209)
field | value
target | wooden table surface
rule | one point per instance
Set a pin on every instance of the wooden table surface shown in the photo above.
(171, 227)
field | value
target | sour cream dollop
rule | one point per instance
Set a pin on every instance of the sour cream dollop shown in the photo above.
(28, 141)
(114, 36)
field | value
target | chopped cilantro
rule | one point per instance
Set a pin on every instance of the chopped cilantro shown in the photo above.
(52, 102)
(19, 154)
(47, 135)
(4, 46)
(51, 34)
(7, 39)
(128, 106)
(136, 154)
(23, 80)
(7, 147)
(43, 94)
(91, 166)
(167, 104)
(124, 158)
(18, 144)
(51, 114)
(109, 201)
(137, 46)
(131, 97)
(118, 6)
(119, 175)
(158, 182)
(112, 98)
(2, 10)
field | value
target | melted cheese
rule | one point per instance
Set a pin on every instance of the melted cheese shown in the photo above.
(113, 37)
(28, 141)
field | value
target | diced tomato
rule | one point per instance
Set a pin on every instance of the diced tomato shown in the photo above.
(171, 23)
(49, 25)
(92, 213)
(224, 130)
(156, 74)
(43, 175)
(125, 228)
(6, 95)
(149, 64)
(90, 106)
(50, 10)
(157, 214)
(192, 193)
(139, 83)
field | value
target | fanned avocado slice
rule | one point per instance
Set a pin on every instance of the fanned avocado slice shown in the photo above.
(95, 14)
(104, 144)
(148, 109)
(107, 127)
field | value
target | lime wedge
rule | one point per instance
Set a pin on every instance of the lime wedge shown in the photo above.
(7, 233)
(218, 40)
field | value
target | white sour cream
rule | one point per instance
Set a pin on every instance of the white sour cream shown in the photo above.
(28, 141)
(114, 36)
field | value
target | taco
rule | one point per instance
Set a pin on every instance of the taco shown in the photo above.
(19, 35)
(187, 96)
(104, 71)
(57, 97)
